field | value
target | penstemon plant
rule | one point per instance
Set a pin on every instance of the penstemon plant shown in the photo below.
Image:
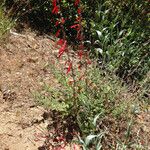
(82, 52)
(74, 72)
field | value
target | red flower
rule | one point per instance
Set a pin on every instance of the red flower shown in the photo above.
(69, 67)
(62, 49)
(54, 3)
(77, 2)
(80, 54)
(79, 11)
(60, 42)
(57, 23)
(75, 26)
(55, 10)
(63, 20)
(57, 33)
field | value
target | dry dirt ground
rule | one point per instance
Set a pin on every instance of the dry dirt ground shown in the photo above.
(22, 71)
(23, 61)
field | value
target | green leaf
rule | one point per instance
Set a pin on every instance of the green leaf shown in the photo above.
(99, 33)
(89, 139)
(99, 50)
(95, 119)
(98, 146)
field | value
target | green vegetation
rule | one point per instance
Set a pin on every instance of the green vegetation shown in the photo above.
(122, 27)
(103, 104)
(99, 108)
(123, 37)
(5, 23)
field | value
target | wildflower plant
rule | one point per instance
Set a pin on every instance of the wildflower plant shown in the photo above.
(82, 53)
(84, 92)
(72, 79)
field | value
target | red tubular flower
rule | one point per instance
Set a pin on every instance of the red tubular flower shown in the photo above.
(69, 67)
(75, 26)
(63, 20)
(80, 54)
(57, 33)
(77, 2)
(54, 2)
(55, 10)
(57, 23)
(60, 42)
(62, 49)
(79, 11)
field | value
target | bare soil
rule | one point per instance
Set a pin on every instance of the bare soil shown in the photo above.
(22, 71)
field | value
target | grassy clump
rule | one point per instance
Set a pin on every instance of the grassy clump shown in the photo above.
(5, 23)
(102, 108)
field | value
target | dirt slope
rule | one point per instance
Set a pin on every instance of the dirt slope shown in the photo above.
(22, 71)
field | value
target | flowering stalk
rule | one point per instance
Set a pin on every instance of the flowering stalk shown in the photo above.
(82, 54)
(63, 43)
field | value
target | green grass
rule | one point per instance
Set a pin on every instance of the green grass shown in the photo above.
(5, 23)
